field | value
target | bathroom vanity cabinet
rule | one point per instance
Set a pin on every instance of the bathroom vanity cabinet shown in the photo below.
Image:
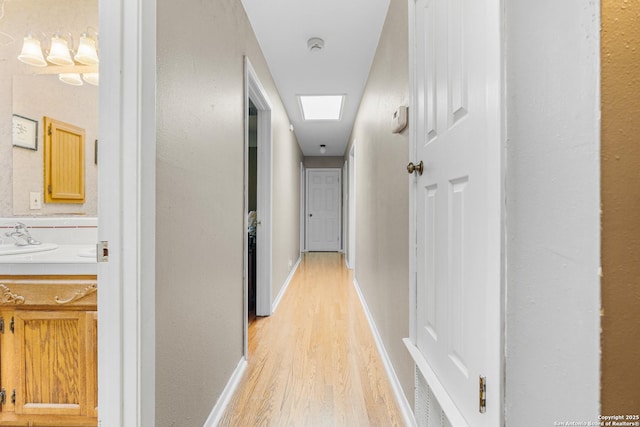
(48, 351)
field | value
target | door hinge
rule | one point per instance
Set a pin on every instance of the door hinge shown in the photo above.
(49, 129)
(1, 325)
(13, 397)
(12, 325)
(103, 251)
(483, 394)
(3, 396)
(49, 189)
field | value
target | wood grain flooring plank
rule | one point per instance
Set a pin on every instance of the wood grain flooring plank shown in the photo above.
(314, 362)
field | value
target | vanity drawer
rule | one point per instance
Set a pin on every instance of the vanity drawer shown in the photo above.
(61, 292)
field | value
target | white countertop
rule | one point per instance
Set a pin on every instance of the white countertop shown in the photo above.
(63, 260)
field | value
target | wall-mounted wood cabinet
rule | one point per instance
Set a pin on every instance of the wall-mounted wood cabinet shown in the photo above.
(48, 351)
(64, 152)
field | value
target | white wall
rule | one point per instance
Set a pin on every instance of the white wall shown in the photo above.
(552, 191)
(200, 201)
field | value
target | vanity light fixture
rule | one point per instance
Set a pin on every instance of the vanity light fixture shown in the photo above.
(87, 53)
(31, 53)
(61, 54)
(91, 78)
(73, 79)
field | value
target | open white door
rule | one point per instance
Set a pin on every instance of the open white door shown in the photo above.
(126, 213)
(457, 203)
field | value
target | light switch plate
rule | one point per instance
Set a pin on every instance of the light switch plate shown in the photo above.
(35, 200)
(399, 119)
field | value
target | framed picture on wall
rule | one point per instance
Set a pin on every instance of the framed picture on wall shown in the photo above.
(25, 132)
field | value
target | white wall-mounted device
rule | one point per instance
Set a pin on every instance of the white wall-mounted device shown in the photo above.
(399, 119)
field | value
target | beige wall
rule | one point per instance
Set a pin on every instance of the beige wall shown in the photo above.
(39, 98)
(200, 201)
(382, 204)
(620, 207)
(314, 162)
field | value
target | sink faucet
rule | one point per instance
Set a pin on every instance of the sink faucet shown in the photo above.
(21, 235)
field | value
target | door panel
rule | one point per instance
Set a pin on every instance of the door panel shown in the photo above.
(323, 209)
(452, 80)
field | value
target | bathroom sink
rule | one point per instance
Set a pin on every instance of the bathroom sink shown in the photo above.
(13, 249)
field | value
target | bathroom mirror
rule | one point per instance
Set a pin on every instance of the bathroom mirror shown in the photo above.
(36, 96)
(34, 92)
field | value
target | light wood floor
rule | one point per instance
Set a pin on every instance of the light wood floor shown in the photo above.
(314, 362)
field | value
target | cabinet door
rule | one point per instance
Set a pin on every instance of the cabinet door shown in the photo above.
(63, 162)
(51, 358)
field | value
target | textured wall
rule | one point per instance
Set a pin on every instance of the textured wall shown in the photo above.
(553, 221)
(382, 205)
(620, 207)
(19, 18)
(38, 96)
(323, 161)
(200, 201)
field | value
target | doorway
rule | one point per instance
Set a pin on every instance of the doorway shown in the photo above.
(252, 206)
(257, 269)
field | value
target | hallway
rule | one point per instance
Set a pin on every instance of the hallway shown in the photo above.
(314, 362)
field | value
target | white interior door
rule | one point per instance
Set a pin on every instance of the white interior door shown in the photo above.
(456, 95)
(323, 209)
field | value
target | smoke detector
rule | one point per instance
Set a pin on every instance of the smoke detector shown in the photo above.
(315, 44)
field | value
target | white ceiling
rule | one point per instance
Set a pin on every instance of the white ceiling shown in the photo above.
(350, 30)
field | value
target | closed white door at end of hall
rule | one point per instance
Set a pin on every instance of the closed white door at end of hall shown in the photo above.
(323, 209)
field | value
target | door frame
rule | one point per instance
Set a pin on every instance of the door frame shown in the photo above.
(306, 204)
(303, 211)
(345, 207)
(351, 239)
(258, 95)
(126, 213)
(496, 294)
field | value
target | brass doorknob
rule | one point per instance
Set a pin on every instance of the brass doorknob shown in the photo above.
(411, 168)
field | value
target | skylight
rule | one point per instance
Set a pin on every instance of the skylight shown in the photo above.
(321, 107)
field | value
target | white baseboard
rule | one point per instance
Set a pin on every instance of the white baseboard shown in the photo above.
(401, 399)
(221, 405)
(285, 286)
